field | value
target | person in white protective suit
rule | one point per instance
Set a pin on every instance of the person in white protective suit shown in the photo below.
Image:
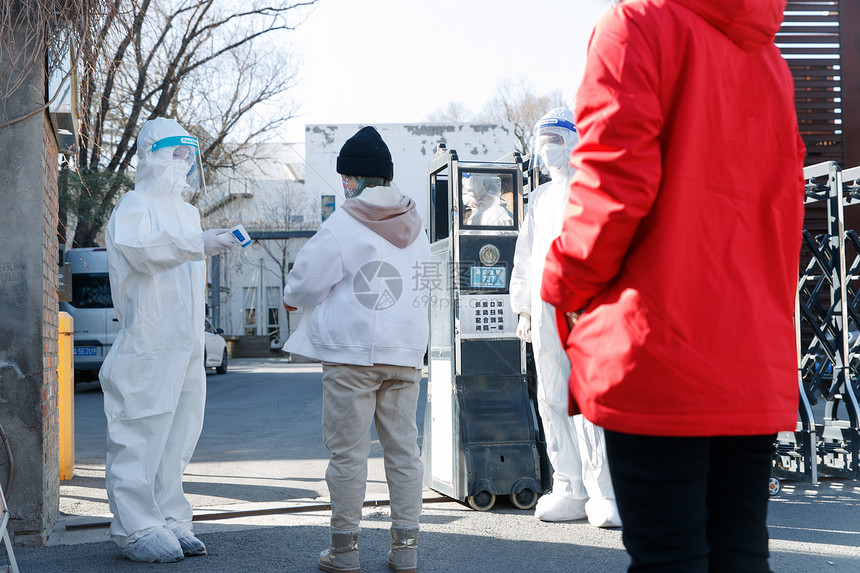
(581, 484)
(483, 194)
(153, 377)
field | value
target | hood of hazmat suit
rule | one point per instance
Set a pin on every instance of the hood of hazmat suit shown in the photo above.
(158, 278)
(483, 195)
(555, 137)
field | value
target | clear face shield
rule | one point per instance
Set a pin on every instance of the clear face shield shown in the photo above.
(182, 155)
(552, 142)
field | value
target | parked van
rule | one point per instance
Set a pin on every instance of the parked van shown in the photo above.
(91, 307)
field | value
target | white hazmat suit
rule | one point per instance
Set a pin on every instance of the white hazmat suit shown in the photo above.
(153, 377)
(577, 451)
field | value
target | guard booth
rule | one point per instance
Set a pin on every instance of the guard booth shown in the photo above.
(481, 430)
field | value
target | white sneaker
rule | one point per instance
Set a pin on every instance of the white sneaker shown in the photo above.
(603, 512)
(556, 507)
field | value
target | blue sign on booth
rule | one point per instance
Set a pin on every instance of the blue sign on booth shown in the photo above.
(489, 277)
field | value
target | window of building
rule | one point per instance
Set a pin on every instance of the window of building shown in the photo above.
(249, 304)
(327, 206)
(273, 307)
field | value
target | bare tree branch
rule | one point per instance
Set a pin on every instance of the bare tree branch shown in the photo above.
(31, 29)
(456, 112)
(515, 101)
(203, 62)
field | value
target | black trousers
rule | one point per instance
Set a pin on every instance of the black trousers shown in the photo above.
(692, 504)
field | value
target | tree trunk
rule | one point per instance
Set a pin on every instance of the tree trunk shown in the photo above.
(85, 234)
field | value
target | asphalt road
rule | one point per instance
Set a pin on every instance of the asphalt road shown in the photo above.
(261, 454)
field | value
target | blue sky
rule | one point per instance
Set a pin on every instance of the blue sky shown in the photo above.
(397, 61)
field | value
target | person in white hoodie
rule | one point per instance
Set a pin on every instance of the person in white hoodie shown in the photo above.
(581, 484)
(354, 279)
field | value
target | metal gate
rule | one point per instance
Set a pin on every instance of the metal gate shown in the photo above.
(827, 323)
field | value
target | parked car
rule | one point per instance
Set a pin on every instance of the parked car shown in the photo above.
(215, 354)
(91, 308)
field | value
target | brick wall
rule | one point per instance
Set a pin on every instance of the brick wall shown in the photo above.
(50, 320)
(29, 458)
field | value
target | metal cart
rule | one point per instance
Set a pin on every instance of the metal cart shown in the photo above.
(481, 430)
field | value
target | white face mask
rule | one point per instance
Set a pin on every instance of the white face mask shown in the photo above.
(469, 198)
(180, 172)
(554, 156)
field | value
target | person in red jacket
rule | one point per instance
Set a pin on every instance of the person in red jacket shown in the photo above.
(675, 275)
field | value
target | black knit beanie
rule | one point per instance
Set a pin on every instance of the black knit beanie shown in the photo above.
(365, 154)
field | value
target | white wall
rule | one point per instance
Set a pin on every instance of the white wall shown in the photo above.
(412, 145)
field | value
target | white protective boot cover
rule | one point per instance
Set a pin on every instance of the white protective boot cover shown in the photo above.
(603, 512)
(156, 546)
(556, 507)
(190, 544)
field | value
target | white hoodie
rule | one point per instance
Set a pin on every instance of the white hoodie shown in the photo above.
(358, 280)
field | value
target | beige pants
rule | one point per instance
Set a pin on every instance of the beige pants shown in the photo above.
(353, 397)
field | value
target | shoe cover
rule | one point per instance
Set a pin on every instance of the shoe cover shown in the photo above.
(190, 544)
(603, 512)
(159, 546)
(556, 507)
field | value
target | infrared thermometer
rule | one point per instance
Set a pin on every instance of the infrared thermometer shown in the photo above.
(240, 235)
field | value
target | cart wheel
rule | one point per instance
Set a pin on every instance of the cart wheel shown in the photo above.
(773, 486)
(526, 499)
(481, 502)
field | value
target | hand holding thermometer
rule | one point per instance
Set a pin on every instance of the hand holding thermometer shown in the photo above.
(240, 235)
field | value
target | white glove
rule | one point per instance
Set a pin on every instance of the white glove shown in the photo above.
(216, 241)
(524, 328)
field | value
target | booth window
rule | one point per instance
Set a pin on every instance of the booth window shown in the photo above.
(487, 200)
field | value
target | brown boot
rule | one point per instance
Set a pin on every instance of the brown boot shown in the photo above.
(403, 557)
(342, 555)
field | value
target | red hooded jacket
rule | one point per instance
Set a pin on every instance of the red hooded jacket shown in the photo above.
(682, 234)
